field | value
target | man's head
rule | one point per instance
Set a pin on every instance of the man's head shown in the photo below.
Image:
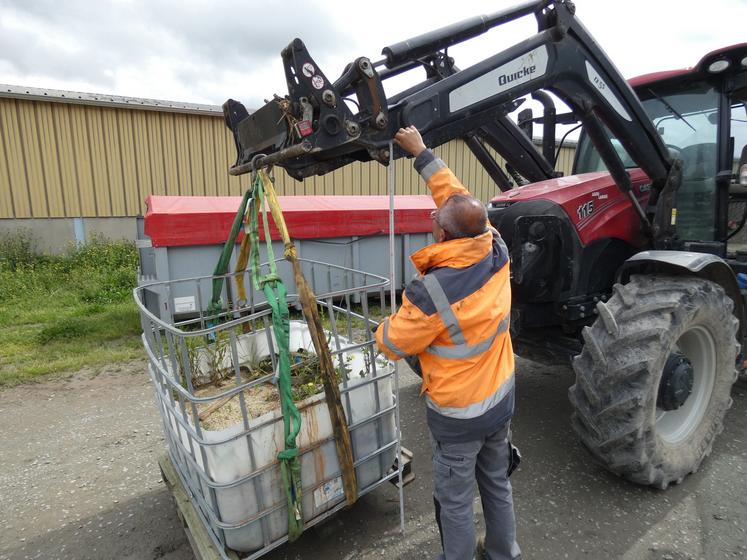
(460, 216)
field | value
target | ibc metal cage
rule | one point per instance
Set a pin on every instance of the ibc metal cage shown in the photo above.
(206, 359)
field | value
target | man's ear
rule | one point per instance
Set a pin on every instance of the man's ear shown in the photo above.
(441, 235)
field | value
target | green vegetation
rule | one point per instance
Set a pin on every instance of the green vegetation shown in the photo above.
(60, 313)
(306, 374)
(346, 322)
(64, 312)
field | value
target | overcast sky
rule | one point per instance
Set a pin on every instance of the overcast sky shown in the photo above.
(205, 52)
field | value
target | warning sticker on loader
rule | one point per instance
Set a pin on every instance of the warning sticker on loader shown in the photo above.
(328, 492)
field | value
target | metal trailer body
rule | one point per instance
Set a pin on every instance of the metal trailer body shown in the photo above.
(352, 238)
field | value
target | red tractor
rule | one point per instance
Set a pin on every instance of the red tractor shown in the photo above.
(629, 265)
(661, 330)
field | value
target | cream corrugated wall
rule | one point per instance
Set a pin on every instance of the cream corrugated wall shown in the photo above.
(69, 160)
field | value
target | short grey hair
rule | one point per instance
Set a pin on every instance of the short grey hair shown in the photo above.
(463, 216)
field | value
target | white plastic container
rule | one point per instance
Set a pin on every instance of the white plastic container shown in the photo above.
(238, 506)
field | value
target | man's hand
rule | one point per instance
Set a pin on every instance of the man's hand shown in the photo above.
(409, 140)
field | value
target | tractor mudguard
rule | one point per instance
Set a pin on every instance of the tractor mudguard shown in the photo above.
(702, 265)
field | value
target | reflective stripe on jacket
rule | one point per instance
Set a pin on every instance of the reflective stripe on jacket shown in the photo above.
(455, 319)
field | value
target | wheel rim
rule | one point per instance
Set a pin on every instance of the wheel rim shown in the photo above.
(674, 426)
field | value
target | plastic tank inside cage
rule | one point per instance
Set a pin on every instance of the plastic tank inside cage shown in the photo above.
(213, 375)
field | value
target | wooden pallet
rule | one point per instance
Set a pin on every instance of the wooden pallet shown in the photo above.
(202, 545)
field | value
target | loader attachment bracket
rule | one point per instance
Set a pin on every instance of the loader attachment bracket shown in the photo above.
(314, 114)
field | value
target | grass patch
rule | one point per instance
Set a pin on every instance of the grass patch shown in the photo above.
(68, 328)
(64, 312)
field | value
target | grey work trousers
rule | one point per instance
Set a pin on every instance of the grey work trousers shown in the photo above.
(456, 467)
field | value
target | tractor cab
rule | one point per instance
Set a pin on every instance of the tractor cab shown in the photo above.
(701, 114)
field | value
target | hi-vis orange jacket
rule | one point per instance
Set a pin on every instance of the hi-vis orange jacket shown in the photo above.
(454, 318)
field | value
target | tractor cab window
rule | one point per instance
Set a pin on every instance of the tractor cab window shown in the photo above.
(738, 132)
(589, 159)
(687, 120)
(738, 184)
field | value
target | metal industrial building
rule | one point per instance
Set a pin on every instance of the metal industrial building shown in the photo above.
(76, 164)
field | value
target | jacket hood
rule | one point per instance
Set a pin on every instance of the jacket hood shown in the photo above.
(456, 253)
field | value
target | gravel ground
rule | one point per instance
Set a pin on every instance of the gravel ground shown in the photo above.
(79, 480)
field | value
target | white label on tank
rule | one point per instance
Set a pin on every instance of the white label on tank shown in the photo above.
(308, 69)
(597, 81)
(328, 492)
(518, 71)
(184, 304)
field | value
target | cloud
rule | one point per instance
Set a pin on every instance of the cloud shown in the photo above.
(141, 47)
(209, 51)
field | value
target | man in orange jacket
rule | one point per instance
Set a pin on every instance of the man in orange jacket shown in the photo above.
(453, 327)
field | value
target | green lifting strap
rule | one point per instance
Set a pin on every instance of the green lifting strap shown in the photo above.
(225, 257)
(275, 292)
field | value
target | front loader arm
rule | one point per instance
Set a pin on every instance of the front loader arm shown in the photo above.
(315, 121)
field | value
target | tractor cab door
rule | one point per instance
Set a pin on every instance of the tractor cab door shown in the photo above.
(738, 178)
(687, 118)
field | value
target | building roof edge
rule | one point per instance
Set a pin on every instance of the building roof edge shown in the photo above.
(106, 100)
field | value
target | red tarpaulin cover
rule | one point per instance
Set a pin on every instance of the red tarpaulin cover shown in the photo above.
(206, 220)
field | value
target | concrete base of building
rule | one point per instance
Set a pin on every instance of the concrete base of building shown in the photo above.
(55, 235)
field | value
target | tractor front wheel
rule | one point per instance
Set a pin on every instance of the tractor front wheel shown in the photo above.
(654, 378)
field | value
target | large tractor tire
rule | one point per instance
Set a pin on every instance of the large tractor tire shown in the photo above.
(654, 378)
